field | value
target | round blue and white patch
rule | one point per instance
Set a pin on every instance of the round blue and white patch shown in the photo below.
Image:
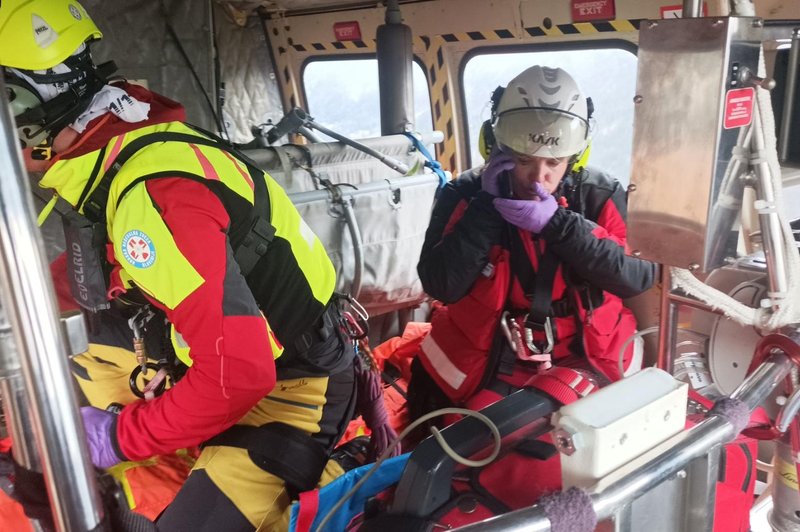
(138, 249)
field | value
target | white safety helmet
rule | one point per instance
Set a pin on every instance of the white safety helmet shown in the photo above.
(542, 113)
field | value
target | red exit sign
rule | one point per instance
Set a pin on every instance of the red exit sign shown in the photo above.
(347, 31)
(586, 10)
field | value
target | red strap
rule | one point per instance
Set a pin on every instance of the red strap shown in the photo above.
(309, 505)
(565, 385)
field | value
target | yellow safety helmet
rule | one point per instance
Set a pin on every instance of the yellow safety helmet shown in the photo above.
(39, 34)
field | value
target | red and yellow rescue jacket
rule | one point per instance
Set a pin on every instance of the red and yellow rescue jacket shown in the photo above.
(169, 216)
(466, 263)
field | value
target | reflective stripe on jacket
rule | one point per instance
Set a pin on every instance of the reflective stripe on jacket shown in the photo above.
(465, 263)
(171, 208)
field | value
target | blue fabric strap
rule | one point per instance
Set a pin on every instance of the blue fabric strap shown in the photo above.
(431, 163)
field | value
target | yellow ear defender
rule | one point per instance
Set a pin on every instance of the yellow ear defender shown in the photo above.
(581, 159)
(486, 139)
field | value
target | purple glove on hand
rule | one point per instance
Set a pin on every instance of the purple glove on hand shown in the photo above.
(98, 424)
(499, 162)
(530, 215)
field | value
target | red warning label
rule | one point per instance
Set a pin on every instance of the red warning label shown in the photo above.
(586, 10)
(739, 107)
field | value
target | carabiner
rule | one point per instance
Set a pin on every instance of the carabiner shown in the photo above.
(137, 324)
(153, 388)
(353, 327)
(355, 323)
(506, 330)
(548, 334)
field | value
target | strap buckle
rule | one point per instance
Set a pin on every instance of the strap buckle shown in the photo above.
(538, 347)
(527, 350)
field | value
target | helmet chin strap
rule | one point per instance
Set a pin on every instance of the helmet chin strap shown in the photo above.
(35, 117)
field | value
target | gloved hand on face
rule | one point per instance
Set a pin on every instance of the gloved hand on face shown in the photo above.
(99, 424)
(499, 162)
(531, 215)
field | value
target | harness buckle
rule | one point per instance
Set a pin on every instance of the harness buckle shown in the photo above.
(536, 347)
(541, 350)
(526, 350)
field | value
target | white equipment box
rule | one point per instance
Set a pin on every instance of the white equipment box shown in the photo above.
(611, 427)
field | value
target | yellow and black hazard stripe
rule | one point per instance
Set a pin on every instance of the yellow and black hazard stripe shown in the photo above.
(441, 95)
(490, 35)
(335, 45)
(433, 57)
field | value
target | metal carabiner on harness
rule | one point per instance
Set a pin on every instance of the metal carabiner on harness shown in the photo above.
(512, 332)
(354, 323)
(548, 334)
(137, 323)
(152, 388)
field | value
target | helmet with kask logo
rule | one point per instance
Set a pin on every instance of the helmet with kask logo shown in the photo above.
(542, 113)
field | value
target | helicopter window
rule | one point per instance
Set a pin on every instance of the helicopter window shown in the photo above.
(342, 94)
(607, 75)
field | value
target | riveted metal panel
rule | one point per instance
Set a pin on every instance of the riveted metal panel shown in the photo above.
(685, 178)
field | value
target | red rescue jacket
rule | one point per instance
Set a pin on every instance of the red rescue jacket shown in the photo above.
(466, 262)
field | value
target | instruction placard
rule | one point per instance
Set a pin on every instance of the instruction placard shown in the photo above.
(676, 11)
(739, 107)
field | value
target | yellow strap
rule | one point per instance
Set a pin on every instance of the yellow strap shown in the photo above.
(47, 210)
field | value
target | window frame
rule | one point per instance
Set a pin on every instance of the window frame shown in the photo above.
(361, 56)
(571, 46)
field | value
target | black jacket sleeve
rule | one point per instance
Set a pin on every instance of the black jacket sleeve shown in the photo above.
(449, 264)
(600, 261)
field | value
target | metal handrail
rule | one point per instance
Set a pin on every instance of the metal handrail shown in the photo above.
(29, 302)
(620, 488)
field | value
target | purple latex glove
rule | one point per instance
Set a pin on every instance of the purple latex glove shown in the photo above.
(499, 162)
(98, 424)
(530, 215)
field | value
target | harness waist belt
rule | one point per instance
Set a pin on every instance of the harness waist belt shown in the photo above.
(282, 450)
(323, 328)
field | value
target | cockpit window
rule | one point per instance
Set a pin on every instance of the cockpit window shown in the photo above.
(607, 75)
(342, 94)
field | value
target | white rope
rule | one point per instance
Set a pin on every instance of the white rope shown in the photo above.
(787, 310)
(631, 338)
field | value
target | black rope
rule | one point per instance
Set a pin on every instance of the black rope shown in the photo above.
(182, 50)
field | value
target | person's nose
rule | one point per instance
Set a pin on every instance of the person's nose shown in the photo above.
(538, 172)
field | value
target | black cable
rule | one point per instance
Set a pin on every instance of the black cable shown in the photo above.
(182, 50)
(220, 85)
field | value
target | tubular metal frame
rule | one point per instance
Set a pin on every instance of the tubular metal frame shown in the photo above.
(612, 496)
(40, 351)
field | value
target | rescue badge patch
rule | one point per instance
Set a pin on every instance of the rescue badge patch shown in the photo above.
(138, 249)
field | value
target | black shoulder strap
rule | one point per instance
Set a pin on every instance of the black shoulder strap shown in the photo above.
(538, 285)
(261, 232)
